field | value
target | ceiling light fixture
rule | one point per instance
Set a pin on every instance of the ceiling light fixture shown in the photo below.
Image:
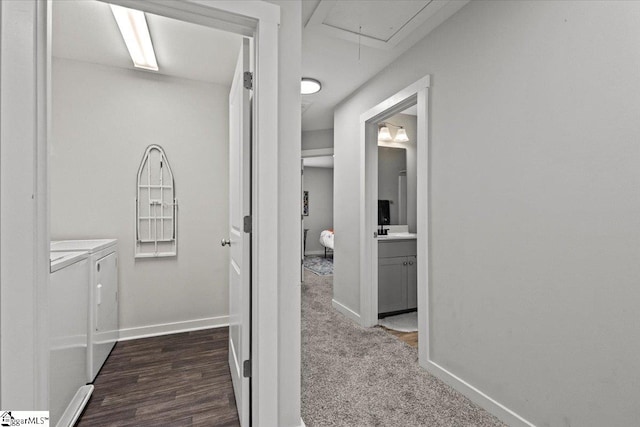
(309, 86)
(135, 32)
(384, 134)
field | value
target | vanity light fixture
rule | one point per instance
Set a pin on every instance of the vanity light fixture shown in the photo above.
(401, 136)
(135, 32)
(385, 136)
(309, 86)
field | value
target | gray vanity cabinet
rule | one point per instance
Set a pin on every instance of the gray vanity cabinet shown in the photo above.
(397, 276)
(392, 284)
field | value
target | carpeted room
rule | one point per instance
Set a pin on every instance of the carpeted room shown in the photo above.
(355, 376)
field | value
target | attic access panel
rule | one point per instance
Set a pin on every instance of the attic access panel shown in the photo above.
(377, 24)
(156, 207)
(374, 19)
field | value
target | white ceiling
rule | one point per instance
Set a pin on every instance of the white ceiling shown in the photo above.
(334, 53)
(85, 30)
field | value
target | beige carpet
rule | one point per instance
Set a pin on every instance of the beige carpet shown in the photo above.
(353, 376)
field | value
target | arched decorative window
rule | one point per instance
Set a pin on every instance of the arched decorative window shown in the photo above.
(156, 207)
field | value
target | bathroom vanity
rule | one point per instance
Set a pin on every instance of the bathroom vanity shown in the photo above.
(397, 273)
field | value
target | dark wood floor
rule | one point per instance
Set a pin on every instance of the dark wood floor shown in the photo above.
(174, 380)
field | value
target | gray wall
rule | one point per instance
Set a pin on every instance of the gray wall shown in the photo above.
(534, 206)
(319, 183)
(315, 139)
(103, 119)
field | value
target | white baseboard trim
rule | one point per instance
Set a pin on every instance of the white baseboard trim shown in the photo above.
(321, 252)
(173, 328)
(491, 405)
(302, 424)
(346, 311)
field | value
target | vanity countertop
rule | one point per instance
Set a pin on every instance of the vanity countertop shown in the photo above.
(397, 236)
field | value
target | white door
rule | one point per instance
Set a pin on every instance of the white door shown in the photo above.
(239, 237)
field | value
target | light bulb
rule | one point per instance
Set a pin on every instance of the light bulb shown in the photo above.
(309, 86)
(384, 134)
(401, 136)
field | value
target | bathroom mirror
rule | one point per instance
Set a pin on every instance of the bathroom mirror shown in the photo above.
(392, 186)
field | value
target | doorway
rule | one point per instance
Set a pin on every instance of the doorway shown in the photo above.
(397, 229)
(317, 211)
(415, 95)
(21, 68)
(185, 130)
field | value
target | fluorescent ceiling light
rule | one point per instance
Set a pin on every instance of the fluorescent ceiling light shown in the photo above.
(135, 32)
(309, 86)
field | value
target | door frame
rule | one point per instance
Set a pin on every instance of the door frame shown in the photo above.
(26, 69)
(316, 152)
(414, 94)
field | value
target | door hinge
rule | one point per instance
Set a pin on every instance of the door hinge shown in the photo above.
(248, 80)
(247, 224)
(246, 369)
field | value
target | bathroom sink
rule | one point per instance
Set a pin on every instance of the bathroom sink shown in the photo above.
(398, 236)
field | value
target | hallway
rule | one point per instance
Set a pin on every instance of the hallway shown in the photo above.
(352, 376)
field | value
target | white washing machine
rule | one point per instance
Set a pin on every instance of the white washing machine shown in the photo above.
(68, 312)
(103, 325)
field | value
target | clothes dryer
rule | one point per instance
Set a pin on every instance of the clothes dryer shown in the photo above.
(103, 323)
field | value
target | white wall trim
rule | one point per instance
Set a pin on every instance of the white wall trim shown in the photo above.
(265, 238)
(24, 78)
(302, 424)
(398, 98)
(173, 328)
(346, 311)
(491, 405)
(319, 252)
(317, 152)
